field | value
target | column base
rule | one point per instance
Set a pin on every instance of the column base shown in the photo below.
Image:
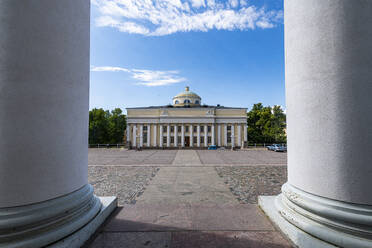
(313, 221)
(66, 221)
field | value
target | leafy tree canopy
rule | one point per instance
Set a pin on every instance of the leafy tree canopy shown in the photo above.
(106, 127)
(266, 124)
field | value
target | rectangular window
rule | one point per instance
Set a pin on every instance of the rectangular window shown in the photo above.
(202, 140)
(172, 140)
(209, 129)
(187, 129)
(179, 139)
(145, 128)
(164, 129)
(179, 129)
(145, 137)
(202, 129)
(209, 140)
(172, 129)
(195, 129)
(164, 140)
(228, 128)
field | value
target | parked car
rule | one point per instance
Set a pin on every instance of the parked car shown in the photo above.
(277, 148)
(212, 148)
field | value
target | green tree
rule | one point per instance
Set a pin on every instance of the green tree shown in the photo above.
(266, 124)
(106, 127)
(116, 126)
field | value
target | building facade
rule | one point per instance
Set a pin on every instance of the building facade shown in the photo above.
(186, 124)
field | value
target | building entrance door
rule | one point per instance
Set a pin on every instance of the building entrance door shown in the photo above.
(187, 141)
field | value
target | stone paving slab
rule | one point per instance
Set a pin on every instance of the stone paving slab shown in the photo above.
(220, 239)
(125, 157)
(193, 239)
(184, 184)
(242, 157)
(143, 217)
(114, 156)
(183, 202)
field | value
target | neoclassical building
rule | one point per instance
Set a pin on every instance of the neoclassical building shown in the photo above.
(186, 123)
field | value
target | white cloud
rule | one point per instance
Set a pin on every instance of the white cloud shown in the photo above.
(198, 3)
(164, 17)
(233, 3)
(145, 77)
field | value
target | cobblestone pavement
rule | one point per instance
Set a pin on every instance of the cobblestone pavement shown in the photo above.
(127, 183)
(248, 182)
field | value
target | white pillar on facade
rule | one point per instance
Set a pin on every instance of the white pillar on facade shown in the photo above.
(44, 104)
(168, 135)
(141, 135)
(128, 133)
(134, 136)
(191, 136)
(240, 135)
(213, 135)
(148, 135)
(161, 136)
(155, 135)
(183, 135)
(232, 135)
(219, 138)
(225, 135)
(198, 135)
(328, 63)
(205, 135)
(175, 136)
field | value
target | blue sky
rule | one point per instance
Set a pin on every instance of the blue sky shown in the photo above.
(143, 52)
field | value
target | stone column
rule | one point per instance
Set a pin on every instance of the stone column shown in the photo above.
(246, 135)
(205, 135)
(175, 136)
(155, 134)
(198, 135)
(240, 135)
(225, 135)
(134, 136)
(148, 135)
(219, 135)
(213, 135)
(191, 137)
(141, 135)
(44, 91)
(128, 134)
(328, 87)
(161, 136)
(183, 135)
(168, 135)
(232, 135)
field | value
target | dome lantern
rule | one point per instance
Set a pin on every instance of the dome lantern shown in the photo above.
(187, 99)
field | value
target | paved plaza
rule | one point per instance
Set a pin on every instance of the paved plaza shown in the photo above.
(187, 198)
